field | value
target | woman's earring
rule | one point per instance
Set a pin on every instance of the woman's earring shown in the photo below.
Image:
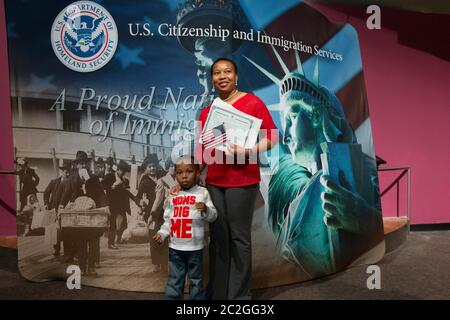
(235, 84)
(213, 89)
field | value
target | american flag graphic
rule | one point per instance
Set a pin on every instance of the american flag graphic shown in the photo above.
(214, 136)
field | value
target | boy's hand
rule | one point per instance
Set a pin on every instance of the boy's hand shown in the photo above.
(174, 191)
(158, 238)
(201, 206)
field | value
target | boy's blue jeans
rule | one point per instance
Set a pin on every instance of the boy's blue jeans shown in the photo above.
(180, 264)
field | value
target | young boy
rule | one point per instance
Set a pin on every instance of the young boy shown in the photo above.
(184, 221)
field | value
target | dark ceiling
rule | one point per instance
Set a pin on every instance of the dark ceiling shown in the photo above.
(423, 6)
(423, 25)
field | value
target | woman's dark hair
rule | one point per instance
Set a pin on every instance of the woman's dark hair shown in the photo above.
(223, 59)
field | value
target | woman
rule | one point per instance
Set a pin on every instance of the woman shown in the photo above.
(233, 188)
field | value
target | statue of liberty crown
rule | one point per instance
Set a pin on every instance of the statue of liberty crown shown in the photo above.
(201, 13)
(296, 81)
(193, 6)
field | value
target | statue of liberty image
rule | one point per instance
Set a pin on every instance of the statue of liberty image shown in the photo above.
(324, 203)
(225, 14)
(221, 14)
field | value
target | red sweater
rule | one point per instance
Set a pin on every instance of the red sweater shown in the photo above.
(236, 175)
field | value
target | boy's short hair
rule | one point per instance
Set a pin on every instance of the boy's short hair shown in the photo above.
(187, 159)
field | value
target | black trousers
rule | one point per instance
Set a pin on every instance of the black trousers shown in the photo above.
(69, 242)
(87, 253)
(87, 244)
(230, 249)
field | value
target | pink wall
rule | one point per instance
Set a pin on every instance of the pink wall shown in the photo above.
(409, 97)
(7, 183)
(408, 92)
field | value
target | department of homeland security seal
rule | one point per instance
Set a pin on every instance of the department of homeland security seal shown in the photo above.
(84, 36)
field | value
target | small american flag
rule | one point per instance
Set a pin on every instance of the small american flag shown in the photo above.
(214, 136)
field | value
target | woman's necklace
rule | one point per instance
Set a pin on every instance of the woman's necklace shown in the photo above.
(235, 92)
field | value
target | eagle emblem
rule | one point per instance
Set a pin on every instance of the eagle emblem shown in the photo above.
(83, 35)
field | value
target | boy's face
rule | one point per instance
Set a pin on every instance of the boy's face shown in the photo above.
(186, 174)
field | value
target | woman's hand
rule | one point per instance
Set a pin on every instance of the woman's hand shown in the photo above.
(235, 150)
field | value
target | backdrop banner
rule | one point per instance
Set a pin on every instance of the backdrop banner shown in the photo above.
(106, 95)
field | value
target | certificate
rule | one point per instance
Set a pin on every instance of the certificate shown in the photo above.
(226, 124)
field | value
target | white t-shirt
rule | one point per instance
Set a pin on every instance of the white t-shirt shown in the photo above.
(183, 222)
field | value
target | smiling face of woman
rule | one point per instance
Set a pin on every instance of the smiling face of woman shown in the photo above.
(224, 77)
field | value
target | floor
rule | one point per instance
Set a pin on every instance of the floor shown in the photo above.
(419, 269)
